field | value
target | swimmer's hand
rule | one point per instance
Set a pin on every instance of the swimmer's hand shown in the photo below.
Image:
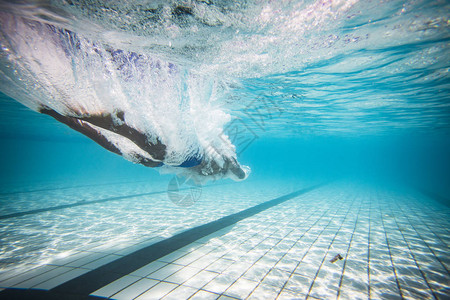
(230, 167)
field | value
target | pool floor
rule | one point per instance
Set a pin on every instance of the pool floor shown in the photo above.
(335, 241)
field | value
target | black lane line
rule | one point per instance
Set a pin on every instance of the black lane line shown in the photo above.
(104, 275)
(68, 187)
(30, 294)
(79, 203)
(35, 211)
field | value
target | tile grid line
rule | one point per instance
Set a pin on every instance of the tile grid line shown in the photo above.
(178, 284)
(79, 203)
(317, 237)
(348, 250)
(429, 228)
(63, 265)
(432, 212)
(104, 275)
(161, 281)
(139, 279)
(55, 266)
(33, 267)
(329, 246)
(52, 269)
(91, 281)
(18, 275)
(293, 245)
(389, 251)
(48, 279)
(413, 256)
(268, 237)
(420, 236)
(310, 246)
(83, 202)
(174, 262)
(368, 250)
(435, 197)
(294, 229)
(315, 222)
(68, 188)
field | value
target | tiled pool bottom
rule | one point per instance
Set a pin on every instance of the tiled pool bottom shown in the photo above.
(392, 244)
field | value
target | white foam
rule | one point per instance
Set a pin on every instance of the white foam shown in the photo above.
(78, 77)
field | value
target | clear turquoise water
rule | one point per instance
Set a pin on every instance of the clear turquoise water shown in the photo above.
(38, 150)
(354, 94)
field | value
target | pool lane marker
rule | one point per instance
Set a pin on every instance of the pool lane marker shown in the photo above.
(84, 202)
(106, 274)
(68, 187)
(33, 294)
(79, 203)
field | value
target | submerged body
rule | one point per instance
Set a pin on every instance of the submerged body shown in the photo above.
(157, 82)
(157, 151)
(94, 90)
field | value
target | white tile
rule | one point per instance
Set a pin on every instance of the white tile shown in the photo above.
(264, 292)
(135, 289)
(298, 283)
(190, 248)
(49, 284)
(189, 258)
(158, 291)
(324, 289)
(276, 277)
(130, 249)
(69, 258)
(241, 288)
(204, 261)
(237, 269)
(268, 261)
(43, 277)
(220, 265)
(181, 292)
(201, 279)
(219, 284)
(291, 295)
(165, 272)
(204, 295)
(225, 298)
(287, 265)
(100, 262)
(26, 275)
(115, 286)
(257, 272)
(183, 275)
(148, 269)
(172, 256)
(85, 260)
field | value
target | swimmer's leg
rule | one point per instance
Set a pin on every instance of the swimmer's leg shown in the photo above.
(157, 150)
(86, 129)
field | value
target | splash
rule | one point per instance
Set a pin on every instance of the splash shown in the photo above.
(172, 74)
(141, 106)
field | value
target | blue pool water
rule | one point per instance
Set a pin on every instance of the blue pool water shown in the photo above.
(292, 132)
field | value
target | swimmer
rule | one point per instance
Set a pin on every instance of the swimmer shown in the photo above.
(91, 126)
(135, 105)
